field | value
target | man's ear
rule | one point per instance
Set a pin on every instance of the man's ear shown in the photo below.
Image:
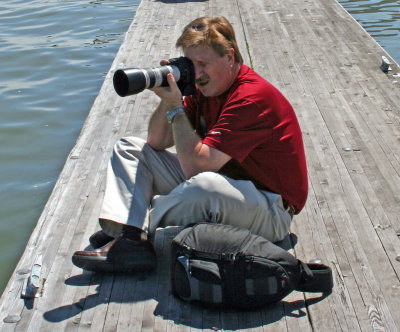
(231, 56)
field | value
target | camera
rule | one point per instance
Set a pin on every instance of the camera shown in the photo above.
(130, 81)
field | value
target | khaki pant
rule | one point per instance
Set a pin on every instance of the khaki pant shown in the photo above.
(147, 189)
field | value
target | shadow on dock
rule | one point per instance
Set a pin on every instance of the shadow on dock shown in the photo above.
(270, 314)
(155, 287)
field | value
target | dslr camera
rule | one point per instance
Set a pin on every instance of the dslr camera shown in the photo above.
(130, 81)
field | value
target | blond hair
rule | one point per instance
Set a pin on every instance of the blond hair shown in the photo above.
(216, 33)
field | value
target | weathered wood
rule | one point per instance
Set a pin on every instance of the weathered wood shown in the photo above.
(328, 68)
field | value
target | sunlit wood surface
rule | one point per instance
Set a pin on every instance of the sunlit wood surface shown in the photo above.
(348, 109)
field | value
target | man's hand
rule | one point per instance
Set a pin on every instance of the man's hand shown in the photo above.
(170, 96)
(160, 131)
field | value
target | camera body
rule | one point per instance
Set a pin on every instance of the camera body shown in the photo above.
(130, 81)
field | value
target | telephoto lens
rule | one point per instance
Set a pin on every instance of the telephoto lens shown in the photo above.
(130, 81)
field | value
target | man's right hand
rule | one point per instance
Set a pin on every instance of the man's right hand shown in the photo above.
(170, 96)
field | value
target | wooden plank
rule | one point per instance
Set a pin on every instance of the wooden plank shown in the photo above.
(339, 128)
(327, 66)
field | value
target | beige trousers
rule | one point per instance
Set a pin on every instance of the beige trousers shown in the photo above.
(147, 189)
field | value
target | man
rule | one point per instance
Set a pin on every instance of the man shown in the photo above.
(239, 158)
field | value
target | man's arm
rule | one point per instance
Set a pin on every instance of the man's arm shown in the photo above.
(159, 135)
(193, 155)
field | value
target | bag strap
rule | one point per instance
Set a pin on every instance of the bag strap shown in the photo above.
(315, 278)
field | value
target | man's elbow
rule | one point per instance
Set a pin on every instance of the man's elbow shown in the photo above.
(158, 144)
(192, 169)
(154, 144)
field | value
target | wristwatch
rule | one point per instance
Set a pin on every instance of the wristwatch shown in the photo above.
(171, 114)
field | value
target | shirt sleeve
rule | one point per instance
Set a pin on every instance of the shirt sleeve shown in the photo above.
(241, 127)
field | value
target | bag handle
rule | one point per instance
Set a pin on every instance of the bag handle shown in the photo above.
(315, 278)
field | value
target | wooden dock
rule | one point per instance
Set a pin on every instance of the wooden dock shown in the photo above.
(349, 112)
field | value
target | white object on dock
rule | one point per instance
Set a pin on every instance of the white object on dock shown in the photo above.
(385, 66)
(32, 283)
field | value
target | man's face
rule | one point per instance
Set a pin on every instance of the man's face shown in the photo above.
(214, 74)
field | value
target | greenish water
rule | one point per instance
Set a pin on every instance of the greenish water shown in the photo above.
(54, 56)
(381, 18)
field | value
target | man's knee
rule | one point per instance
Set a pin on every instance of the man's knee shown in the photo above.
(128, 146)
(126, 143)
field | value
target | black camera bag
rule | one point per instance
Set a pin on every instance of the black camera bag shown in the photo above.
(221, 265)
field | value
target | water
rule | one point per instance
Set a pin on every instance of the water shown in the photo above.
(54, 55)
(381, 18)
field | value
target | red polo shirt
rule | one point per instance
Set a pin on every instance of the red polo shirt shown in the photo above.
(254, 124)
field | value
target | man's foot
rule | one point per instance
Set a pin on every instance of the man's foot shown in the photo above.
(127, 253)
(99, 239)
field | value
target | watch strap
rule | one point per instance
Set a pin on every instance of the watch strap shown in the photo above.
(171, 114)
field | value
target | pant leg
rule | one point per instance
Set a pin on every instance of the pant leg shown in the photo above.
(217, 198)
(135, 174)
